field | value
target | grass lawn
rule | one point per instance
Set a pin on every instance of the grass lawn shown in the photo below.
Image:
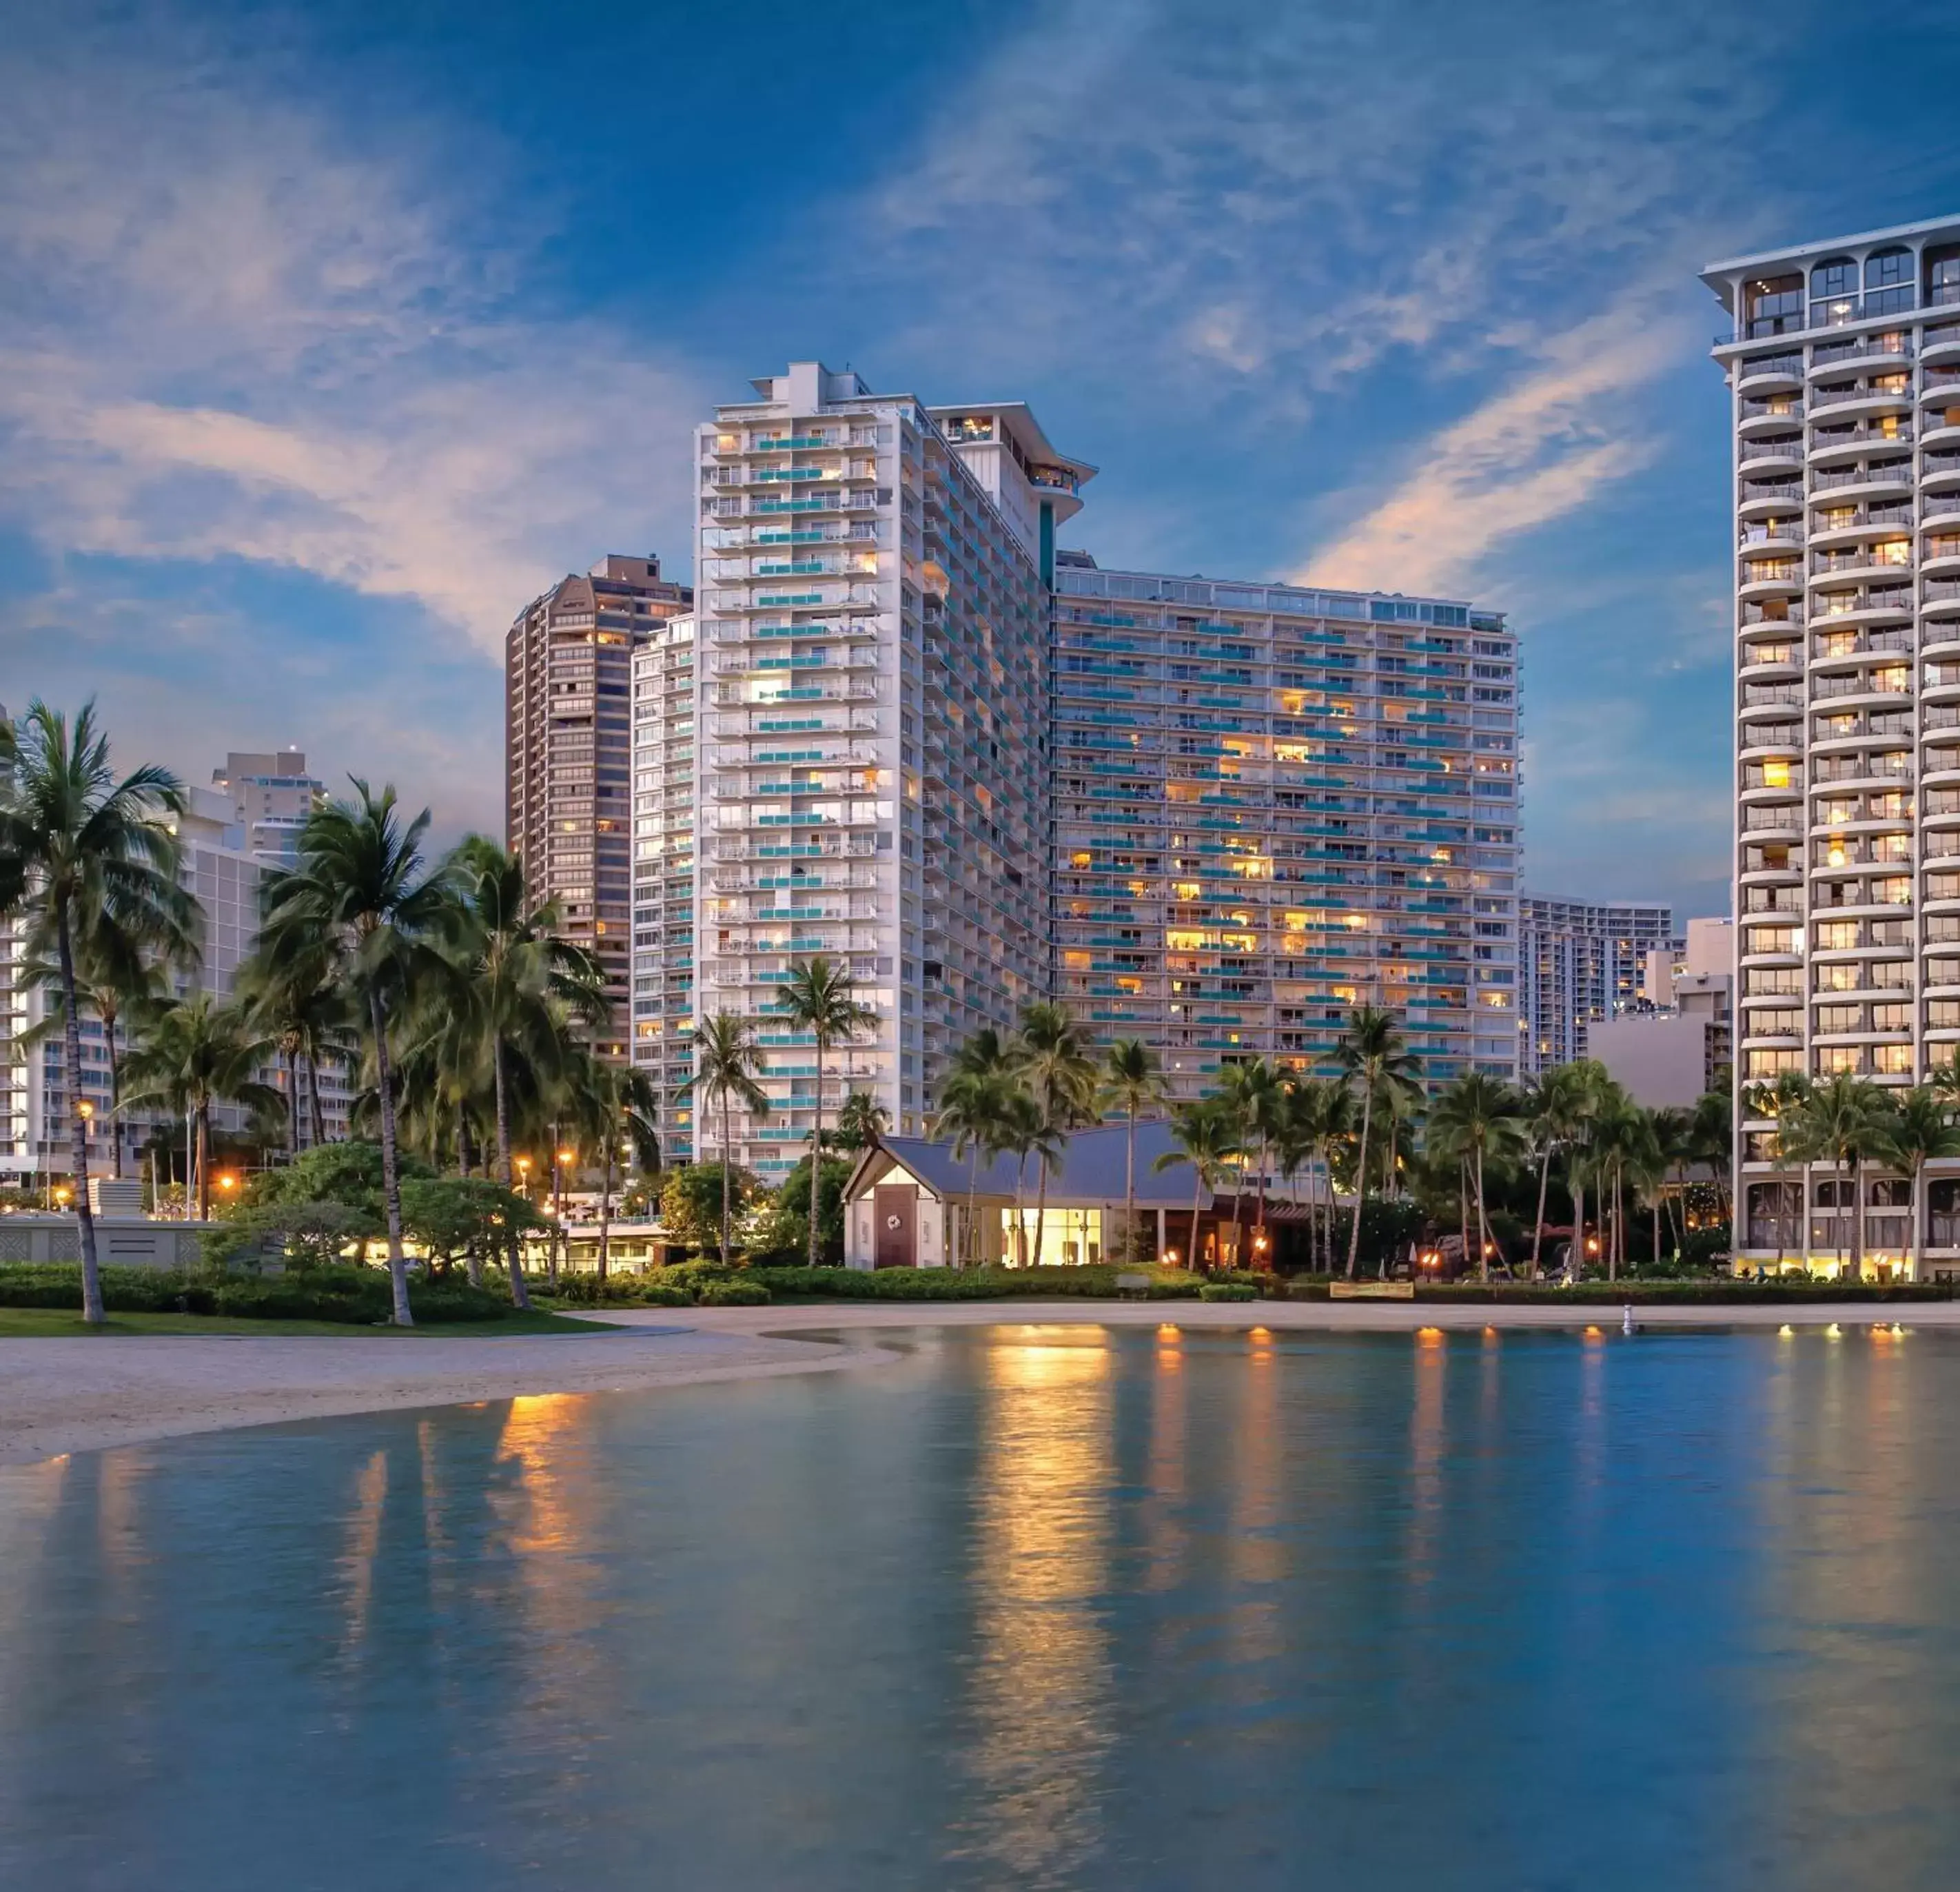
(23, 1323)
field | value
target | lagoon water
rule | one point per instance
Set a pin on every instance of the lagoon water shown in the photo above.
(1035, 1606)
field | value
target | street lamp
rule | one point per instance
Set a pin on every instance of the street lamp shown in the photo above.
(524, 1176)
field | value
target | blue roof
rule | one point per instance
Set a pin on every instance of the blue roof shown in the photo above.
(1090, 1172)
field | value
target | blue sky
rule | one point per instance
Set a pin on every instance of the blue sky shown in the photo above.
(329, 336)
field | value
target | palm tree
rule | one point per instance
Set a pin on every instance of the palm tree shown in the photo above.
(861, 1120)
(616, 1109)
(819, 998)
(1132, 1082)
(1923, 1131)
(1372, 1054)
(1328, 1106)
(1553, 1108)
(1846, 1120)
(78, 849)
(305, 1008)
(195, 1053)
(1711, 1139)
(1478, 1118)
(1783, 1102)
(974, 1109)
(728, 1060)
(360, 894)
(1254, 1094)
(1052, 1054)
(522, 984)
(1206, 1138)
(1024, 1130)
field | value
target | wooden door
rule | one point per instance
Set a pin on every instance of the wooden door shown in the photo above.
(896, 1208)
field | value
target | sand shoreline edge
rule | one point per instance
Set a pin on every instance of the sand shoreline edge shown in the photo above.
(59, 1397)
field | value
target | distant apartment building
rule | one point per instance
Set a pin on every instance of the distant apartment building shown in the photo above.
(872, 637)
(222, 872)
(568, 684)
(271, 795)
(1272, 804)
(664, 890)
(1843, 361)
(1583, 961)
(1677, 1042)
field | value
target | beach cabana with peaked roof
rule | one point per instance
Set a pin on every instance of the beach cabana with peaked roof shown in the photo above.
(907, 1201)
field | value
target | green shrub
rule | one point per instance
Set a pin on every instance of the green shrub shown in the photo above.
(1725, 1292)
(973, 1284)
(124, 1290)
(658, 1294)
(732, 1293)
(1228, 1291)
(355, 1296)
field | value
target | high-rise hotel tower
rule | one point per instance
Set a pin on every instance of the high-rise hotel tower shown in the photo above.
(1844, 363)
(872, 630)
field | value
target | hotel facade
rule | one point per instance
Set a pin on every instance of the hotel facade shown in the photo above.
(1843, 360)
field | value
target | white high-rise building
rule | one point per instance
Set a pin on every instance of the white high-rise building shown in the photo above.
(663, 887)
(1844, 364)
(873, 636)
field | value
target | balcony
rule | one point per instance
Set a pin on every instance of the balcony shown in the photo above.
(1867, 350)
(1831, 444)
(1890, 477)
(1756, 458)
(1861, 605)
(1859, 399)
(1764, 373)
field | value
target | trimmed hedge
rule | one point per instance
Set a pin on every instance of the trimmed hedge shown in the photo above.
(1229, 1291)
(354, 1297)
(731, 1292)
(973, 1284)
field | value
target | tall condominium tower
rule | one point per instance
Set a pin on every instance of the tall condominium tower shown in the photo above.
(1581, 961)
(873, 628)
(1272, 804)
(663, 894)
(1844, 363)
(567, 700)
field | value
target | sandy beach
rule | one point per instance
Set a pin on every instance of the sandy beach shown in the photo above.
(58, 1396)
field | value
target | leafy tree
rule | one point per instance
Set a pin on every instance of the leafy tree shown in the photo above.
(615, 1112)
(698, 1199)
(819, 999)
(303, 1234)
(350, 1173)
(80, 849)
(197, 1052)
(361, 894)
(1023, 1130)
(1132, 1083)
(1251, 1092)
(1846, 1122)
(469, 1217)
(789, 1222)
(727, 1060)
(1372, 1054)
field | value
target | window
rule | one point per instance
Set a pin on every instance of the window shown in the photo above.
(1772, 305)
(1942, 275)
(1834, 293)
(1889, 281)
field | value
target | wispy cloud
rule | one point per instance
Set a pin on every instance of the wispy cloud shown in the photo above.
(232, 331)
(1538, 449)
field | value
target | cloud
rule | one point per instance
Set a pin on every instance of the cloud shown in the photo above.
(233, 330)
(1538, 449)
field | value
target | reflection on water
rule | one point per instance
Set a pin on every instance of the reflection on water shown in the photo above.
(1036, 1607)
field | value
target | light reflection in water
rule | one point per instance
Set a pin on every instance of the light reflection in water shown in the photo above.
(1041, 1684)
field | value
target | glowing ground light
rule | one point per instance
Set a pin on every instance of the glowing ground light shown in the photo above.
(1833, 1332)
(1787, 1331)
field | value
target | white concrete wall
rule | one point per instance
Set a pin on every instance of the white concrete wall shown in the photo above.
(1660, 1061)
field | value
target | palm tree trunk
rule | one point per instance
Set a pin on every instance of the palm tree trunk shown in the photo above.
(727, 1135)
(1360, 1181)
(1858, 1217)
(1197, 1198)
(114, 1092)
(606, 1219)
(91, 1276)
(293, 1103)
(972, 1207)
(816, 1150)
(1483, 1223)
(1463, 1207)
(1041, 1209)
(1537, 1227)
(313, 1102)
(521, 1295)
(204, 1159)
(1238, 1196)
(1130, 1187)
(391, 1178)
(1656, 1220)
(1259, 1220)
(1912, 1245)
(1576, 1265)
